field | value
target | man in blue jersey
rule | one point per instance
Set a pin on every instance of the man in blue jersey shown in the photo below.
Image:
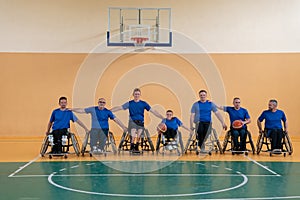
(201, 117)
(238, 113)
(60, 123)
(172, 124)
(273, 124)
(136, 109)
(100, 127)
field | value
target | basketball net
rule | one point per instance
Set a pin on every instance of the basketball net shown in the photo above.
(139, 42)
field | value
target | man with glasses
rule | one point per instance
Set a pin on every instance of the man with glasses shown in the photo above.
(273, 124)
(100, 127)
(237, 113)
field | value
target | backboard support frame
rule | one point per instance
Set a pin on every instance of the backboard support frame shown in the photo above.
(139, 20)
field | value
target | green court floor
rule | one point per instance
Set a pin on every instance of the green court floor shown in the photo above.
(178, 180)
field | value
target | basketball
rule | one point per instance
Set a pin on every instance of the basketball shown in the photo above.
(237, 124)
(162, 127)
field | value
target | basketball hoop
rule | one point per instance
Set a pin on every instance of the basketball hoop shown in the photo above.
(139, 42)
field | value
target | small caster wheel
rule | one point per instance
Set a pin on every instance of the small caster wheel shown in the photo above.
(197, 152)
(209, 153)
(284, 154)
(91, 155)
(65, 156)
(232, 153)
(50, 156)
(270, 154)
(246, 153)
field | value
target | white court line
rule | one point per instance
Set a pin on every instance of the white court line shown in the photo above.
(266, 168)
(128, 175)
(245, 180)
(23, 167)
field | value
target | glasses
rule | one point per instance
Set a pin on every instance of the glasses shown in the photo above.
(101, 102)
(169, 114)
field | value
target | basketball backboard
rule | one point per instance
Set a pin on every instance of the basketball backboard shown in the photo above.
(127, 26)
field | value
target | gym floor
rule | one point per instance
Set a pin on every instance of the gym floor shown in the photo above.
(26, 175)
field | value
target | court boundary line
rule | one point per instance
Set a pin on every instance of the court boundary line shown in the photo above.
(129, 175)
(24, 166)
(262, 166)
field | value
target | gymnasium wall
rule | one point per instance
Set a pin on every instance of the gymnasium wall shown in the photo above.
(44, 44)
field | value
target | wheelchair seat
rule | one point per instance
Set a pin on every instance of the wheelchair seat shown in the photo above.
(263, 140)
(212, 143)
(71, 142)
(228, 139)
(146, 142)
(164, 144)
(110, 145)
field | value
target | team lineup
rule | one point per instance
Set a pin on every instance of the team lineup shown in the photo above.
(200, 123)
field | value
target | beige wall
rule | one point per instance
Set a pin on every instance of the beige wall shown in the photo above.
(31, 84)
(217, 25)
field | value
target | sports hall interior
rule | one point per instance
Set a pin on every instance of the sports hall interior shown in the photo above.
(251, 48)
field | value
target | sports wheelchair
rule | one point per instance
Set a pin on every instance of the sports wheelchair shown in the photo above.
(228, 139)
(71, 142)
(146, 142)
(175, 143)
(262, 139)
(211, 143)
(110, 145)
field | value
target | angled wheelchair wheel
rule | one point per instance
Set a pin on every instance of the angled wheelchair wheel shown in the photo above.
(122, 141)
(158, 141)
(85, 143)
(225, 142)
(216, 137)
(75, 144)
(259, 143)
(44, 146)
(180, 142)
(112, 142)
(149, 140)
(288, 143)
(251, 142)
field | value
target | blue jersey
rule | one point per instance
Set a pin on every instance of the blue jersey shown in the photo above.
(136, 109)
(272, 119)
(240, 114)
(100, 117)
(61, 119)
(172, 123)
(203, 111)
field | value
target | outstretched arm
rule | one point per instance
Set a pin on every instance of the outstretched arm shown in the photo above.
(220, 118)
(219, 107)
(116, 108)
(157, 114)
(77, 110)
(82, 125)
(186, 128)
(49, 127)
(120, 124)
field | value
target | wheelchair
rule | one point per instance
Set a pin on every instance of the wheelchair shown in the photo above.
(110, 145)
(262, 139)
(228, 139)
(211, 143)
(71, 142)
(175, 143)
(146, 142)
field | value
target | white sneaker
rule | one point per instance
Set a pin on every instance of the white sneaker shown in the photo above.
(100, 151)
(94, 149)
